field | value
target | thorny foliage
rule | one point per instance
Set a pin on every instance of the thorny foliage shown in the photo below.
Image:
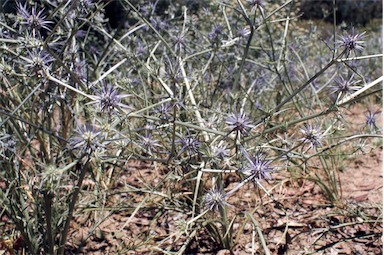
(80, 96)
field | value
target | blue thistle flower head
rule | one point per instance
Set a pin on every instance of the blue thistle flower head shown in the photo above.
(33, 19)
(164, 111)
(255, 4)
(220, 151)
(345, 86)
(190, 144)
(370, 120)
(257, 167)
(243, 32)
(86, 5)
(158, 23)
(149, 143)
(215, 200)
(215, 34)
(216, 153)
(80, 69)
(351, 42)
(140, 49)
(312, 136)
(239, 122)
(39, 60)
(109, 99)
(86, 139)
(179, 41)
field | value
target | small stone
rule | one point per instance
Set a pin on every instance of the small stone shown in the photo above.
(247, 227)
(248, 248)
(223, 252)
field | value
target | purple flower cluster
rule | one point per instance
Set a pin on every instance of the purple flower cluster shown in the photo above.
(215, 200)
(238, 122)
(33, 19)
(109, 99)
(189, 144)
(257, 167)
(312, 136)
(344, 86)
(351, 43)
(86, 139)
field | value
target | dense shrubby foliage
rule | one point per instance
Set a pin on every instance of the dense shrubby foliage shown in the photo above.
(229, 89)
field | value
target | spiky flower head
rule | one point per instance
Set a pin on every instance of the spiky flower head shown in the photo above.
(86, 5)
(243, 32)
(215, 34)
(257, 167)
(38, 61)
(312, 136)
(148, 143)
(215, 199)
(370, 120)
(33, 19)
(220, 151)
(190, 144)
(238, 122)
(109, 98)
(164, 111)
(86, 139)
(140, 49)
(211, 122)
(255, 4)
(345, 86)
(217, 153)
(351, 42)
(179, 41)
(158, 23)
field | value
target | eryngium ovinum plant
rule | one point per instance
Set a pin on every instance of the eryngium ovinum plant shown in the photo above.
(235, 91)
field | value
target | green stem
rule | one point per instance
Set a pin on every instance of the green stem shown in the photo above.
(48, 215)
(246, 49)
(72, 205)
(287, 124)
